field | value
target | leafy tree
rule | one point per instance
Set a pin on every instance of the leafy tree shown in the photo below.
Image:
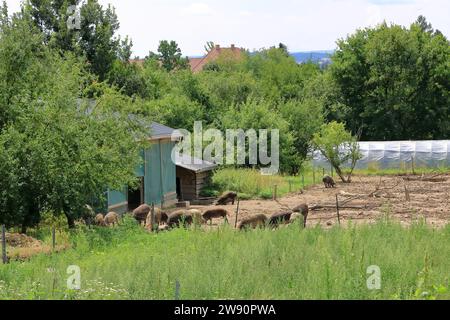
(305, 118)
(169, 55)
(395, 82)
(257, 114)
(128, 78)
(424, 25)
(338, 146)
(176, 111)
(279, 76)
(222, 89)
(284, 48)
(96, 39)
(209, 46)
(58, 152)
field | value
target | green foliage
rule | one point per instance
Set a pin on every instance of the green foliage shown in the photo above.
(60, 152)
(250, 183)
(176, 111)
(209, 192)
(128, 263)
(128, 78)
(395, 82)
(96, 41)
(338, 146)
(255, 114)
(305, 119)
(169, 55)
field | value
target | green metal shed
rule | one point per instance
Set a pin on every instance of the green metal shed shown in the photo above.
(157, 175)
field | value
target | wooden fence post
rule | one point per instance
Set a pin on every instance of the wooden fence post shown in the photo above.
(152, 218)
(177, 290)
(4, 256)
(337, 208)
(53, 238)
(237, 214)
(303, 181)
(275, 190)
(407, 195)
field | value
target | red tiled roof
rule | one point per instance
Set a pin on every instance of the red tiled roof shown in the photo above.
(197, 64)
(139, 62)
(193, 62)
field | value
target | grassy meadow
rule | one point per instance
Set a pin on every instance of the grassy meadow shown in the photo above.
(249, 183)
(289, 263)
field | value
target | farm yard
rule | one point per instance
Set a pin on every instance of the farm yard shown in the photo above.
(367, 199)
(408, 240)
(235, 173)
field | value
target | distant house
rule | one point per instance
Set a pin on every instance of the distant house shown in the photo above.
(192, 175)
(138, 62)
(197, 64)
(157, 175)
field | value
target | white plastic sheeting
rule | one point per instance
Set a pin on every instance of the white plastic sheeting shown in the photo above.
(397, 154)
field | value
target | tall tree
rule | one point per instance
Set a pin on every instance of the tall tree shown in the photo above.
(57, 152)
(96, 39)
(170, 56)
(395, 82)
(209, 46)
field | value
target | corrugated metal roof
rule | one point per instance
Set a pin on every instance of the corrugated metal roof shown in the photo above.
(194, 164)
(158, 131)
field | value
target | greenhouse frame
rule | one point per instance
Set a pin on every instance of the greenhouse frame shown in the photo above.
(397, 155)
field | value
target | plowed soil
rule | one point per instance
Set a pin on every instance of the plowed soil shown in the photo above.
(366, 199)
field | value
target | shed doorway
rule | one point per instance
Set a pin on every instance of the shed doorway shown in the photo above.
(136, 196)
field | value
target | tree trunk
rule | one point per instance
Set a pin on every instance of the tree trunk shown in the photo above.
(70, 221)
(23, 229)
(340, 174)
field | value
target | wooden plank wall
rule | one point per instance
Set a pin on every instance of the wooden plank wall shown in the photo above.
(192, 183)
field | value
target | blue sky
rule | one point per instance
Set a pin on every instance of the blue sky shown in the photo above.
(253, 24)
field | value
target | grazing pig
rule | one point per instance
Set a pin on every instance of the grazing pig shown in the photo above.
(215, 213)
(88, 215)
(196, 216)
(100, 220)
(280, 218)
(254, 222)
(328, 182)
(141, 212)
(163, 227)
(226, 198)
(303, 210)
(178, 217)
(160, 217)
(111, 218)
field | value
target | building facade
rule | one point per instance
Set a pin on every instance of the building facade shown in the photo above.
(156, 175)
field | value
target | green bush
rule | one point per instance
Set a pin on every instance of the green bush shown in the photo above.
(209, 192)
(266, 195)
(244, 196)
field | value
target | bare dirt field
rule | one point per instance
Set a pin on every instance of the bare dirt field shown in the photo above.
(405, 198)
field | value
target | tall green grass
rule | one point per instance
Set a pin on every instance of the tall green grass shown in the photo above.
(289, 263)
(251, 183)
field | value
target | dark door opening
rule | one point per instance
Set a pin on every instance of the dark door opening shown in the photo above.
(136, 196)
(179, 195)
